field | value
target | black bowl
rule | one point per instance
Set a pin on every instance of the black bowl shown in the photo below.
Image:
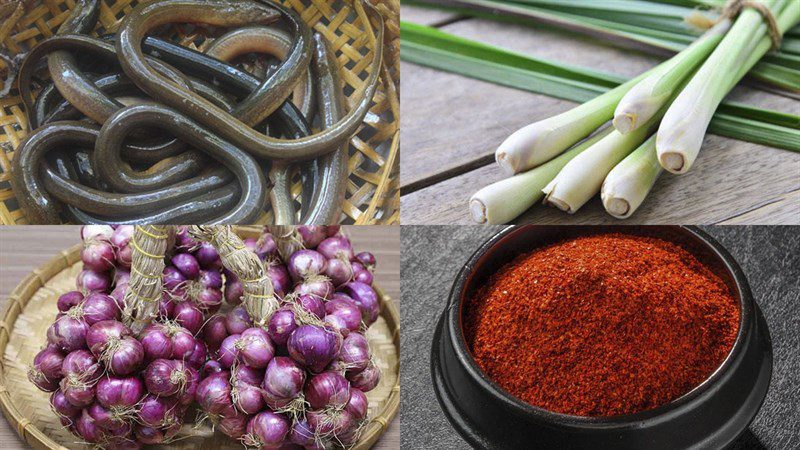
(711, 415)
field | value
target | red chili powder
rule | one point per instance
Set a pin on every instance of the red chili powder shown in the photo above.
(602, 325)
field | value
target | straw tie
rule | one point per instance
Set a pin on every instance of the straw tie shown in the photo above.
(734, 7)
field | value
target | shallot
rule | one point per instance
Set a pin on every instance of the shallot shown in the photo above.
(313, 346)
(189, 316)
(215, 331)
(336, 247)
(47, 363)
(358, 404)
(158, 412)
(365, 380)
(68, 300)
(281, 325)
(327, 389)
(355, 355)
(63, 407)
(214, 393)
(93, 281)
(366, 298)
(166, 377)
(97, 307)
(68, 332)
(367, 259)
(256, 348)
(98, 256)
(311, 235)
(113, 392)
(237, 320)
(283, 382)
(305, 263)
(266, 430)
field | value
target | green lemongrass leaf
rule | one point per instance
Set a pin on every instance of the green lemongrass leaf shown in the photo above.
(638, 7)
(428, 36)
(428, 46)
(751, 113)
(791, 45)
(642, 13)
(750, 130)
(497, 73)
(768, 70)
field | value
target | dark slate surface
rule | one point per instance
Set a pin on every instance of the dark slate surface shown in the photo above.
(432, 255)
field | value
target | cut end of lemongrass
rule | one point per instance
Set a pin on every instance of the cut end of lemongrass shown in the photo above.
(477, 210)
(617, 207)
(672, 161)
(506, 161)
(699, 20)
(625, 122)
(558, 203)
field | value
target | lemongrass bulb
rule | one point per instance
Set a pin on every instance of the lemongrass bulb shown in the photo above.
(541, 141)
(503, 201)
(640, 103)
(629, 182)
(582, 177)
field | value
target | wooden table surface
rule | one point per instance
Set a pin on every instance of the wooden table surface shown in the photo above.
(452, 125)
(23, 248)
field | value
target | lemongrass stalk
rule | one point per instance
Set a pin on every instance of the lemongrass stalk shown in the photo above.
(582, 177)
(644, 100)
(539, 142)
(629, 182)
(503, 201)
(789, 16)
(684, 126)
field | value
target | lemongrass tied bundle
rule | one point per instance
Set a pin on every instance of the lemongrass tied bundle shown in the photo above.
(582, 177)
(629, 182)
(144, 291)
(505, 200)
(681, 133)
(259, 296)
(649, 95)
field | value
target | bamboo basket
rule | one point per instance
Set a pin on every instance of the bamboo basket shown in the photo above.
(373, 195)
(31, 308)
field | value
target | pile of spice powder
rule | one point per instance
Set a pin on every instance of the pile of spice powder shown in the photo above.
(602, 325)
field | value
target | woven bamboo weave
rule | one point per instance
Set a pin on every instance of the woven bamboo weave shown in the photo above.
(373, 195)
(31, 308)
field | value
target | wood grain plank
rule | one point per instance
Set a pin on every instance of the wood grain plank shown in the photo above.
(425, 16)
(783, 210)
(23, 248)
(457, 123)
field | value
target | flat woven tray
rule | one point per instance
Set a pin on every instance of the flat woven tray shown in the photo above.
(31, 308)
(373, 195)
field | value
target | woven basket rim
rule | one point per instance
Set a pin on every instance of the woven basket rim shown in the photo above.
(30, 284)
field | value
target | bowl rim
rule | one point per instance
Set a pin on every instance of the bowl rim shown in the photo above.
(661, 413)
